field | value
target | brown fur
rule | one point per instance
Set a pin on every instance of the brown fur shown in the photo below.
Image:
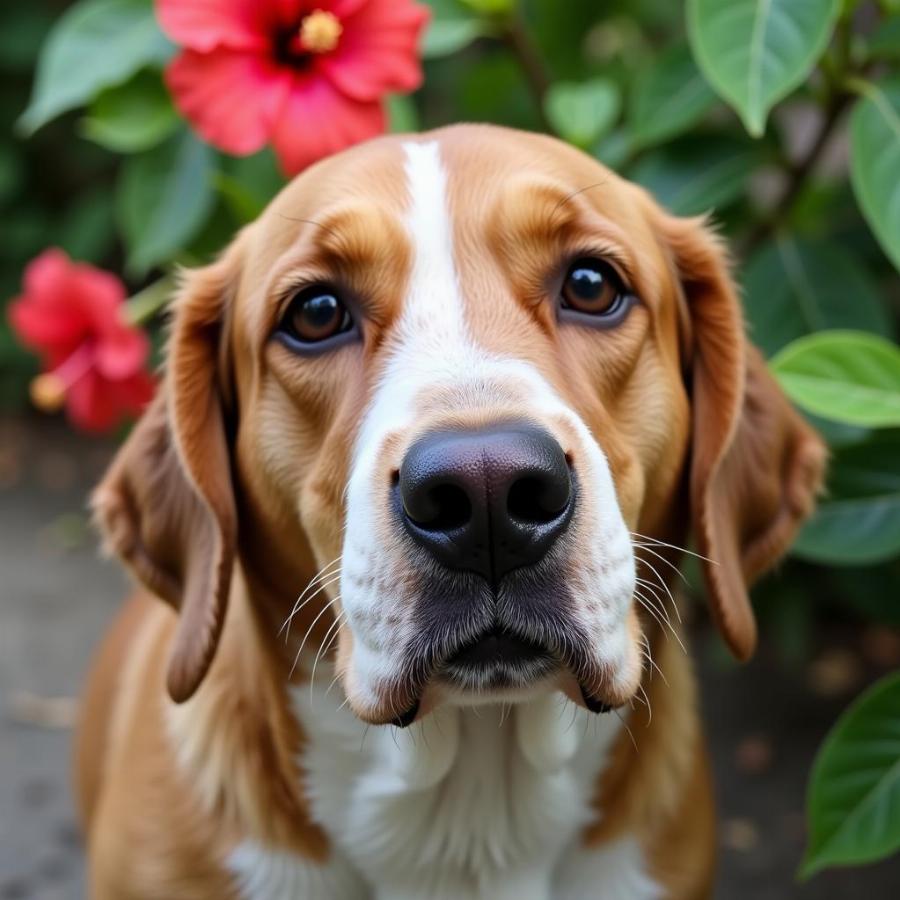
(229, 493)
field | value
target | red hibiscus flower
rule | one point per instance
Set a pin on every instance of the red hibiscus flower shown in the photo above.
(307, 76)
(72, 316)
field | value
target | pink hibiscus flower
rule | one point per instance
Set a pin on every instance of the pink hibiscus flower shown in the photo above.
(95, 362)
(307, 76)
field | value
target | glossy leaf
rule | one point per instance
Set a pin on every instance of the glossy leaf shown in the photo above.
(854, 793)
(163, 198)
(248, 183)
(875, 162)
(794, 286)
(581, 112)
(95, 44)
(446, 36)
(132, 117)
(858, 520)
(755, 52)
(669, 97)
(848, 376)
(697, 175)
(403, 116)
(885, 40)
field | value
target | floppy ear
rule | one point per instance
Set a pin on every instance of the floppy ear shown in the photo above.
(166, 504)
(756, 466)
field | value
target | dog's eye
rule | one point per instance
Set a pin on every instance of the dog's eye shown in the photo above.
(315, 315)
(592, 287)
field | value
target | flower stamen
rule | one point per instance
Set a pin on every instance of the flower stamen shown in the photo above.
(320, 31)
(48, 390)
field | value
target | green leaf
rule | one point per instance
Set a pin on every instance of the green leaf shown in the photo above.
(12, 171)
(848, 376)
(132, 117)
(403, 116)
(853, 803)
(452, 28)
(450, 36)
(885, 40)
(23, 27)
(491, 7)
(582, 111)
(698, 174)
(248, 183)
(96, 44)
(858, 520)
(87, 228)
(669, 97)
(795, 286)
(875, 161)
(163, 198)
(754, 52)
(614, 149)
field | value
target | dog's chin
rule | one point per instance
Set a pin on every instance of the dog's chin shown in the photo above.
(496, 666)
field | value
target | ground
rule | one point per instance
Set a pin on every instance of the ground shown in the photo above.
(764, 720)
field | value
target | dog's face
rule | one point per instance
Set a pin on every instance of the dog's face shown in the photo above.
(460, 375)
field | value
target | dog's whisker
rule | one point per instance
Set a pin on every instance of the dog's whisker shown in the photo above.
(309, 631)
(334, 627)
(658, 543)
(630, 735)
(650, 586)
(660, 618)
(661, 558)
(299, 603)
(663, 623)
(646, 701)
(662, 583)
(650, 591)
(322, 587)
(653, 664)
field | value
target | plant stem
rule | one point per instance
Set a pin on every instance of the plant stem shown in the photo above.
(797, 175)
(835, 69)
(529, 59)
(142, 306)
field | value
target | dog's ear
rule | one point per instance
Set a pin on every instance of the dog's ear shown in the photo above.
(166, 505)
(756, 466)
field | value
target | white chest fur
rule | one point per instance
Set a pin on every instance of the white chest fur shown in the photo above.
(468, 804)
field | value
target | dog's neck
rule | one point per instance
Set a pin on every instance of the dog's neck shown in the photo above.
(478, 792)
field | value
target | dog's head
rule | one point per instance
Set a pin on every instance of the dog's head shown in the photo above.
(462, 375)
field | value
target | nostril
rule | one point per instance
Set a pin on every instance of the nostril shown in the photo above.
(443, 508)
(537, 500)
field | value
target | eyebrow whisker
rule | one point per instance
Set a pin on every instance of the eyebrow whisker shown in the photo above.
(325, 228)
(574, 194)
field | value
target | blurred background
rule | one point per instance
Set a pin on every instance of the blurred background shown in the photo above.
(794, 151)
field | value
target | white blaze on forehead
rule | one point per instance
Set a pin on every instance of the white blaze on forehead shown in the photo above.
(432, 343)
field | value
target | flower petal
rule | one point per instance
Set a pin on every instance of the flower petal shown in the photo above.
(231, 98)
(318, 120)
(53, 315)
(121, 352)
(90, 405)
(206, 24)
(378, 51)
(97, 404)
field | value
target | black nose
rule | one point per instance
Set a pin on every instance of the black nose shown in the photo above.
(488, 501)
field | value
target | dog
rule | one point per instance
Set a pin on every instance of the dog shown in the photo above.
(430, 436)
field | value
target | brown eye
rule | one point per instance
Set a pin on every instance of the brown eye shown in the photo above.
(592, 287)
(315, 315)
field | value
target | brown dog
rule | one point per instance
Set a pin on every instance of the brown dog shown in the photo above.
(465, 393)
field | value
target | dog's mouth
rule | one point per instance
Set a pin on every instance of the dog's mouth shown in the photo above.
(497, 659)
